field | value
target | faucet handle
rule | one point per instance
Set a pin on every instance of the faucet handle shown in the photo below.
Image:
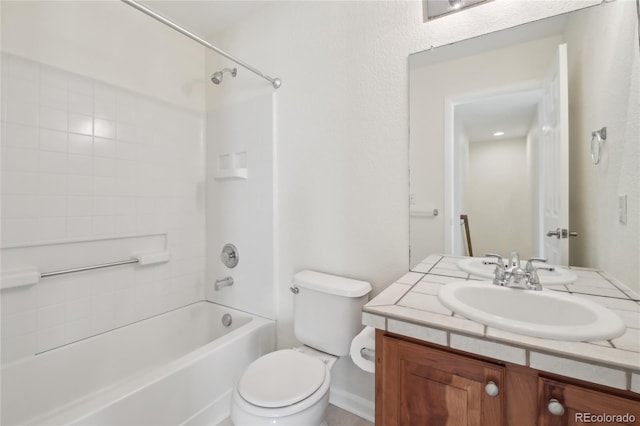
(529, 267)
(500, 268)
(499, 262)
(533, 280)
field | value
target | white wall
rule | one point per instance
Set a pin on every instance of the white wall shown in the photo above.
(242, 211)
(108, 41)
(605, 95)
(342, 167)
(102, 156)
(498, 197)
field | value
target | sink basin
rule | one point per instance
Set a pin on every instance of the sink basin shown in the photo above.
(546, 314)
(560, 275)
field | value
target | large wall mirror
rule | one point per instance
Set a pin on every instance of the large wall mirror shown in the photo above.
(502, 132)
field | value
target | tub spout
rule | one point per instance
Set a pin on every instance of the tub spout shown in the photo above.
(223, 282)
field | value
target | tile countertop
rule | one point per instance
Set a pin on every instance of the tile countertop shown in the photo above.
(410, 307)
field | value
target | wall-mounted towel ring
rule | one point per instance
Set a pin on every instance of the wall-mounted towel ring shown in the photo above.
(597, 139)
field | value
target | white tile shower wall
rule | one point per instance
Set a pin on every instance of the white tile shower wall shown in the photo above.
(82, 159)
(241, 211)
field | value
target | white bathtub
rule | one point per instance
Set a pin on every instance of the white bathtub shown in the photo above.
(175, 368)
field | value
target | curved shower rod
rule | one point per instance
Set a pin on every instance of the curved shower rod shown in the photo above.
(275, 82)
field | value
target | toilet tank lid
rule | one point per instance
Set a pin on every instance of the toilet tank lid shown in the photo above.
(331, 284)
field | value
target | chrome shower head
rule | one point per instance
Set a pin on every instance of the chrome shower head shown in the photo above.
(216, 78)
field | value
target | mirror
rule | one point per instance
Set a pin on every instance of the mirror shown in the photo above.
(513, 186)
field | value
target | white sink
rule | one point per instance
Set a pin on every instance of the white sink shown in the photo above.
(546, 314)
(560, 275)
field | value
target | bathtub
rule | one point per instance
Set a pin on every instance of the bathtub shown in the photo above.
(177, 368)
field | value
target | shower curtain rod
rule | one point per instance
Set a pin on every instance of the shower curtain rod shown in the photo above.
(275, 82)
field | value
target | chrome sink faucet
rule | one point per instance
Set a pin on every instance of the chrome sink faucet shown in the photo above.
(513, 274)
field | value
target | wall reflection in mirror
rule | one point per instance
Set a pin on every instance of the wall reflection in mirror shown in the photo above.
(501, 129)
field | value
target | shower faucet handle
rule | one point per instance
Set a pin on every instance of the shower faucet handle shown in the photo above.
(229, 256)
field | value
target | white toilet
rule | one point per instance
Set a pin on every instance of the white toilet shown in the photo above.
(291, 386)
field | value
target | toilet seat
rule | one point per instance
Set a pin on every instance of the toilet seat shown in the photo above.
(281, 378)
(309, 410)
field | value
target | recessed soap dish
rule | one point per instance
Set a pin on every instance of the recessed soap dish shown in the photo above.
(232, 166)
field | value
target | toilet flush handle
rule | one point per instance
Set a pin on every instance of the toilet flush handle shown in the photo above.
(294, 290)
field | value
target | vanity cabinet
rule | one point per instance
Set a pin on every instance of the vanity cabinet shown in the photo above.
(418, 383)
(562, 403)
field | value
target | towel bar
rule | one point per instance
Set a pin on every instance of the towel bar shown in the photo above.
(88, 268)
(30, 276)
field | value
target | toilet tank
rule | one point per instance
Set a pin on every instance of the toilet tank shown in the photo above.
(327, 310)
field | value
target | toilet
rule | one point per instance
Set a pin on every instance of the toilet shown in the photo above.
(291, 386)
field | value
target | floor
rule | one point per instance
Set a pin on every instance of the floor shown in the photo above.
(339, 417)
(335, 417)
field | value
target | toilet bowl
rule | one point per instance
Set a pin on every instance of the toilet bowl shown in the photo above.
(285, 387)
(291, 386)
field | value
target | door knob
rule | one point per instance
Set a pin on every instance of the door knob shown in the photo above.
(562, 233)
(557, 233)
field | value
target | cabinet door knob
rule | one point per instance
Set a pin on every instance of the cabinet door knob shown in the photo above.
(491, 389)
(555, 407)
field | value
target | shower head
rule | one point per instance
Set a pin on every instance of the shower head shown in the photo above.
(216, 78)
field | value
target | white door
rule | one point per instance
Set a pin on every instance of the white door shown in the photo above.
(554, 138)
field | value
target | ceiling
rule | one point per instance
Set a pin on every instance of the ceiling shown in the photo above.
(511, 113)
(205, 17)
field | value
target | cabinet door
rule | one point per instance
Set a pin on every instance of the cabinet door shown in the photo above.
(424, 386)
(561, 404)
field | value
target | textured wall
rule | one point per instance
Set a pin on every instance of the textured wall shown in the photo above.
(342, 170)
(605, 95)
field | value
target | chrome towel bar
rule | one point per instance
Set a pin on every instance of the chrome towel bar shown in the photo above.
(88, 268)
(30, 275)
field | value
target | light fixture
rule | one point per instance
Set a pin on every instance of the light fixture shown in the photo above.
(498, 133)
(434, 8)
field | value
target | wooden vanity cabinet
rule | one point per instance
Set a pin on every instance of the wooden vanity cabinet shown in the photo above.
(563, 404)
(418, 383)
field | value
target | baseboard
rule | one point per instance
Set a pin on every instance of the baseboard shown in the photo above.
(353, 403)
